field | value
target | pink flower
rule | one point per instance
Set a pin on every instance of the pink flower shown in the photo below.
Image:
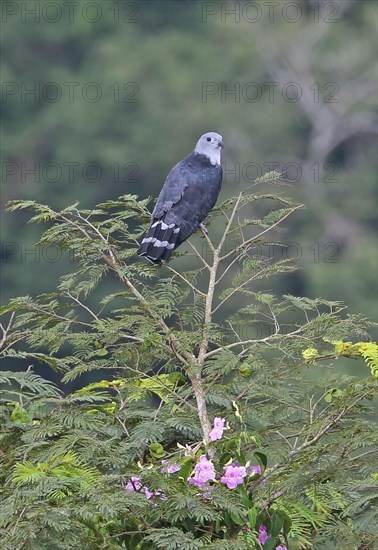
(169, 468)
(203, 472)
(233, 476)
(134, 484)
(195, 481)
(255, 470)
(263, 534)
(217, 431)
(148, 493)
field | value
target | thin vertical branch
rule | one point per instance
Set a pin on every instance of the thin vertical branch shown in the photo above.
(196, 372)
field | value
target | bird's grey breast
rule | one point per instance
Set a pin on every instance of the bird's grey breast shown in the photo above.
(192, 183)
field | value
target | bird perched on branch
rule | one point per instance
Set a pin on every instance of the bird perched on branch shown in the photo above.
(188, 194)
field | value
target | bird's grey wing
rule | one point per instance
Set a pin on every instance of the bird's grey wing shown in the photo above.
(189, 192)
(173, 189)
(197, 200)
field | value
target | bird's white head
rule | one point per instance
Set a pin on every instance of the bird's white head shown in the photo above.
(210, 145)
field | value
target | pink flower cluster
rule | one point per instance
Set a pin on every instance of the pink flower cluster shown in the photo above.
(204, 471)
(135, 485)
(233, 476)
(169, 468)
(218, 429)
(263, 535)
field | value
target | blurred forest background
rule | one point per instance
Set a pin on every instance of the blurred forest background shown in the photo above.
(102, 98)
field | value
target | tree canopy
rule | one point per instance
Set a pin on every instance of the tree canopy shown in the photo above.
(202, 429)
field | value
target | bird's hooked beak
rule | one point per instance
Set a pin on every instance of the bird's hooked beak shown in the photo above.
(220, 144)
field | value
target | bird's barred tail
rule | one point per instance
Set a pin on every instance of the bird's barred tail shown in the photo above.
(159, 242)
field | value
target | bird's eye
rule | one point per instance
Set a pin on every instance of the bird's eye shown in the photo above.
(208, 139)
